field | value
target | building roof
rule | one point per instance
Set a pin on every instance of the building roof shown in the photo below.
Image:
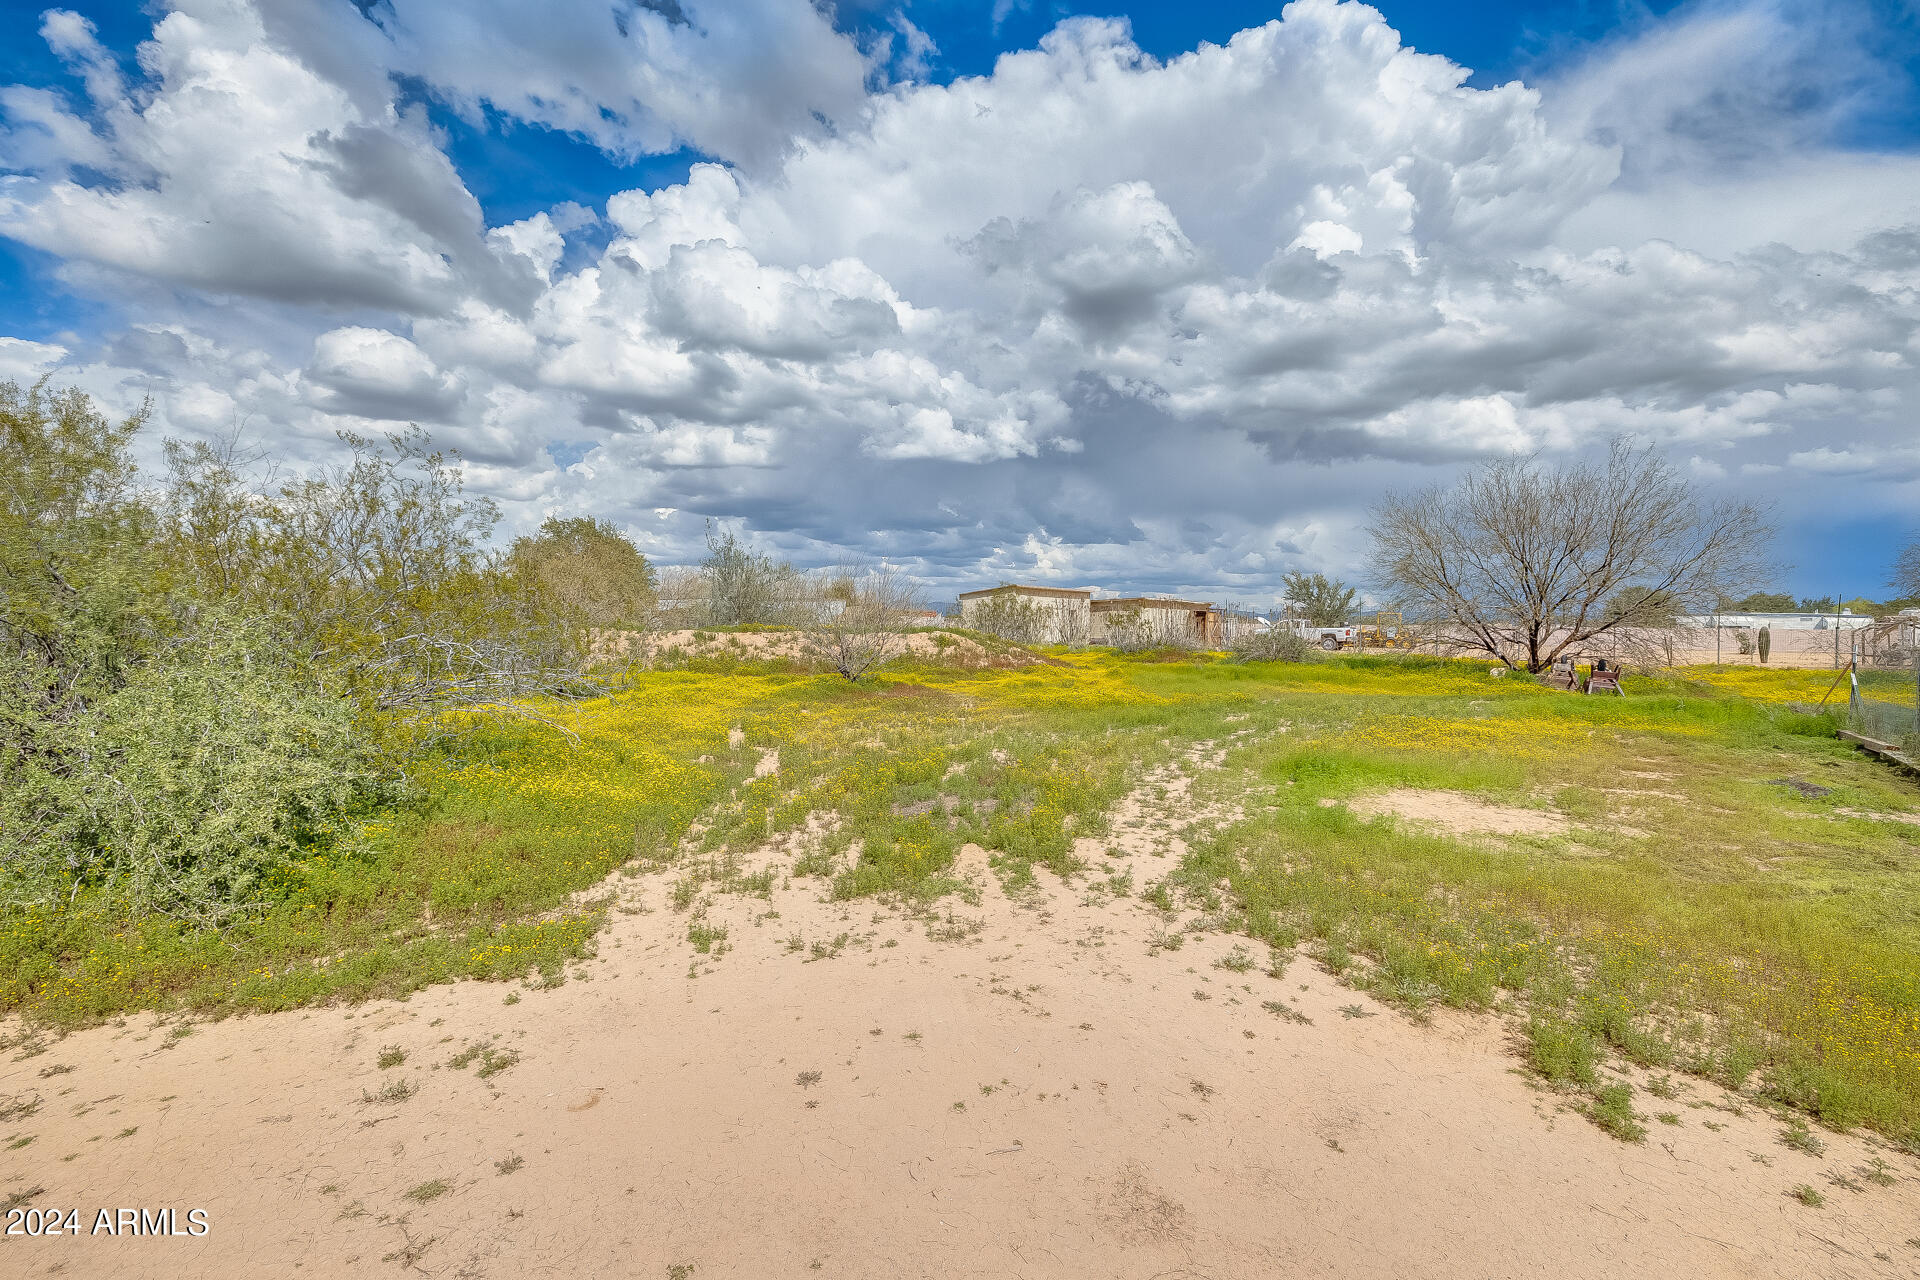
(1059, 592)
(1813, 621)
(1150, 602)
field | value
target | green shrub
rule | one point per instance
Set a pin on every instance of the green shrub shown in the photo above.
(197, 676)
(185, 788)
(1561, 1052)
(1612, 1109)
(1272, 645)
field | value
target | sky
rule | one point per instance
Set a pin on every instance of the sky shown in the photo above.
(1150, 297)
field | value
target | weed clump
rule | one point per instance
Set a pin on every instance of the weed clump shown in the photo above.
(427, 1192)
(1561, 1053)
(1611, 1107)
(1798, 1136)
(491, 1061)
(391, 1091)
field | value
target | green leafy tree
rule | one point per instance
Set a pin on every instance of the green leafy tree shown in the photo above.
(82, 596)
(1761, 602)
(185, 787)
(1324, 602)
(745, 587)
(591, 569)
(159, 747)
(201, 680)
(376, 569)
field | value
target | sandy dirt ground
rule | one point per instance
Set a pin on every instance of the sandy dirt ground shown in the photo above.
(1459, 814)
(1020, 1087)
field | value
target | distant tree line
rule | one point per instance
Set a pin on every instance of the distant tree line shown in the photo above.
(1784, 602)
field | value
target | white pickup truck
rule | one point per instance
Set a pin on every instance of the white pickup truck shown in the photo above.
(1328, 638)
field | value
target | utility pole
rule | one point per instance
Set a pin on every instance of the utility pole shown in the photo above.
(1836, 631)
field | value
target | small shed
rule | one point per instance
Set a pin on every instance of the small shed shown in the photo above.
(1191, 624)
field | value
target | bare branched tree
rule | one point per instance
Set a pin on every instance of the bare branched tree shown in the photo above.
(1141, 629)
(1526, 562)
(1906, 572)
(863, 614)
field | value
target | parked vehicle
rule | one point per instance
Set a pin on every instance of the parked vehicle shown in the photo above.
(1328, 638)
(1389, 630)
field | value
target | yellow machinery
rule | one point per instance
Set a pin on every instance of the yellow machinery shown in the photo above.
(1389, 630)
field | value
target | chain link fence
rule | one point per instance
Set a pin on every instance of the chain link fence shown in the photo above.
(1883, 701)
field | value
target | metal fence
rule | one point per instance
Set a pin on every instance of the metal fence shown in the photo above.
(1883, 708)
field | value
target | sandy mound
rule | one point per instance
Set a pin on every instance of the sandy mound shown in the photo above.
(1911, 819)
(924, 646)
(1459, 814)
(1038, 1087)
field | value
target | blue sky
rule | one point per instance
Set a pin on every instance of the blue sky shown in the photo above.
(678, 260)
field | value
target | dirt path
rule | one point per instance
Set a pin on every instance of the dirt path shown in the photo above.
(1034, 1092)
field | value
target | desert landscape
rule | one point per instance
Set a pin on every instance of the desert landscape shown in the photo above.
(1088, 1059)
(702, 639)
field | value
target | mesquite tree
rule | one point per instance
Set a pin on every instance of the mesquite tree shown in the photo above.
(1526, 562)
(863, 615)
(1322, 601)
(204, 678)
(1906, 571)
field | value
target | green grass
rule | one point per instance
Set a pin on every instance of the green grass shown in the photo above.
(1733, 927)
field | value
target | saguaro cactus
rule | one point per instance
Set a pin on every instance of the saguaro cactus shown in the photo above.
(1766, 642)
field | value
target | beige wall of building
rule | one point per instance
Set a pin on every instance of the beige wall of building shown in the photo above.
(1032, 615)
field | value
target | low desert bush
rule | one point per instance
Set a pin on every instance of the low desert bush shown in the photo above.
(202, 678)
(1273, 645)
(184, 789)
